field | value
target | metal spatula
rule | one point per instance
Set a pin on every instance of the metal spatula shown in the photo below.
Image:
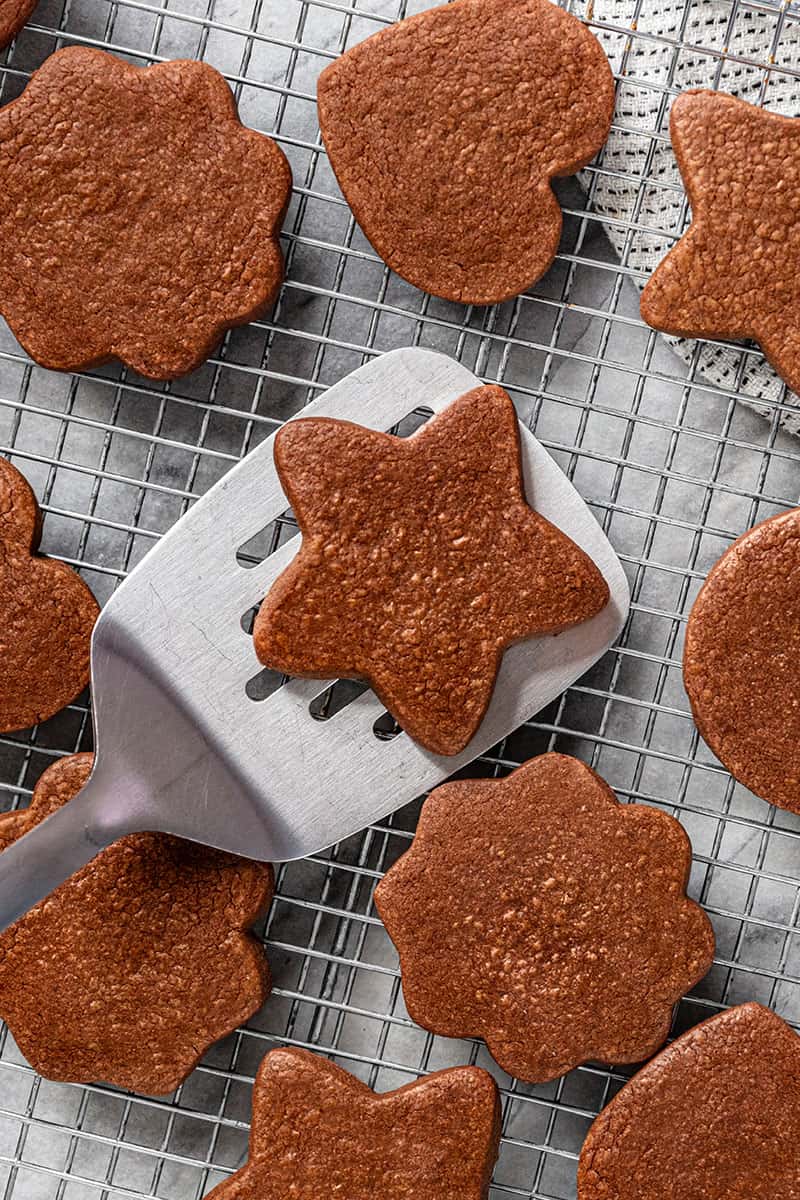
(182, 749)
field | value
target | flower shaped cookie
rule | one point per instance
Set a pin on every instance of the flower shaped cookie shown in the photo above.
(716, 1116)
(319, 1132)
(736, 272)
(13, 15)
(47, 614)
(542, 915)
(421, 561)
(131, 969)
(446, 129)
(138, 218)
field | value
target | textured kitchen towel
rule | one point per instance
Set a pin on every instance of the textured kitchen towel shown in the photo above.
(639, 184)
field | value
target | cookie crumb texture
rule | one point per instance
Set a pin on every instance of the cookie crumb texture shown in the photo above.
(47, 614)
(317, 1131)
(13, 15)
(421, 561)
(539, 913)
(714, 1117)
(736, 272)
(741, 663)
(446, 129)
(138, 217)
(130, 970)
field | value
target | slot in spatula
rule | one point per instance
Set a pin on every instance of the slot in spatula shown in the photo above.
(181, 747)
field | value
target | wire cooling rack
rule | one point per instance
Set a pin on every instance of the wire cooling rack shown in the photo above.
(673, 466)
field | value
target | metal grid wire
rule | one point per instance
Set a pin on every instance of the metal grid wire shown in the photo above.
(673, 467)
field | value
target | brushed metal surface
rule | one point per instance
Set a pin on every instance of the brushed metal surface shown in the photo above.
(182, 749)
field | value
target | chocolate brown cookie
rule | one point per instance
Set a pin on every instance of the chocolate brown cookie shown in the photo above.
(446, 129)
(421, 561)
(540, 914)
(317, 1131)
(736, 272)
(714, 1117)
(741, 662)
(138, 218)
(13, 15)
(132, 968)
(47, 614)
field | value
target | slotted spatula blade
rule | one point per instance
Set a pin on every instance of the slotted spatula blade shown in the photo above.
(181, 747)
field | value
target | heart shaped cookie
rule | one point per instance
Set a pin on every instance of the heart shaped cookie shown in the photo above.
(714, 1117)
(446, 129)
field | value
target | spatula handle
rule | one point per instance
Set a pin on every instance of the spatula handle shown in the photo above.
(56, 848)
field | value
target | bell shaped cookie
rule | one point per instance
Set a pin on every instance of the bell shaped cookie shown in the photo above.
(318, 1132)
(130, 970)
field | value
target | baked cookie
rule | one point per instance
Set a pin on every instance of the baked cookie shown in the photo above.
(47, 614)
(421, 561)
(539, 913)
(13, 15)
(446, 129)
(317, 1131)
(741, 662)
(714, 1117)
(131, 969)
(138, 218)
(736, 272)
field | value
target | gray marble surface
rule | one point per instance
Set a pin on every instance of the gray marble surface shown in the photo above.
(674, 469)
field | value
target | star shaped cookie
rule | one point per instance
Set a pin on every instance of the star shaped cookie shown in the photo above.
(715, 1117)
(421, 562)
(319, 1132)
(736, 272)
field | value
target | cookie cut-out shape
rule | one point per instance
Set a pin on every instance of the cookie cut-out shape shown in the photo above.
(736, 272)
(539, 913)
(47, 614)
(130, 970)
(715, 1117)
(446, 129)
(421, 561)
(139, 219)
(13, 16)
(317, 1131)
(741, 663)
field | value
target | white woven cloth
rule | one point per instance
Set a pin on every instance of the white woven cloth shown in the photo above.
(639, 182)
